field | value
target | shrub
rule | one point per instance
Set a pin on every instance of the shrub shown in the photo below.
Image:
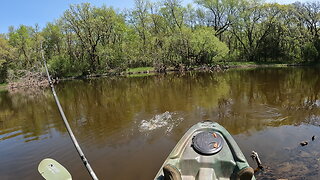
(309, 52)
(61, 66)
(3, 71)
(206, 46)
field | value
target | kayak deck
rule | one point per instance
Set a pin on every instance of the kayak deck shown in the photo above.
(206, 152)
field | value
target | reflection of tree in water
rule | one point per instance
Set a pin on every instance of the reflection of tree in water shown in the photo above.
(269, 97)
(105, 106)
(239, 99)
(30, 117)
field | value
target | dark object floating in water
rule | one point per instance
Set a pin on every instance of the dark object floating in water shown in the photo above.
(313, 138)
(304, 143)
(206, 151)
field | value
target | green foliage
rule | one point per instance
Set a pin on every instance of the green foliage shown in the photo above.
(88, 39)
(53, 38)
(317, 46)
(95, 27)
(206, 46)
(223, 12)
(309, 52)
(60, 66)
(3, 71)
(6, 57)
(140, 69)
(26, 40)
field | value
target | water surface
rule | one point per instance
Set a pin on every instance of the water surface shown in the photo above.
(128, 125)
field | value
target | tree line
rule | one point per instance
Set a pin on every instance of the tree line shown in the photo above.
(92, 40)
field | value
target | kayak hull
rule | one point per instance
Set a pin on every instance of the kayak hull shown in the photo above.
(223, 161)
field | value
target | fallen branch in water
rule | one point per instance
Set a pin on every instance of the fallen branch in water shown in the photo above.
(255, 156)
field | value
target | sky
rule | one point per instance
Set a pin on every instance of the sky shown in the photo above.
(31, 12)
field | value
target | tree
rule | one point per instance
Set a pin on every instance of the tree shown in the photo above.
(89, 39)
(308, 13)
(21, 39)
(6, 56)
(206, 47)
(219, 14)
(53, 38)
(255, 22)
(140, 20)
(174, 14)
(309, 16)
(92, 26)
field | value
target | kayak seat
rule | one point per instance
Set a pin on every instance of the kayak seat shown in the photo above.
(246, 173)
(171, 173)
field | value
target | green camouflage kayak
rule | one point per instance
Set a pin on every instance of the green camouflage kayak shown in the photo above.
(206, 152)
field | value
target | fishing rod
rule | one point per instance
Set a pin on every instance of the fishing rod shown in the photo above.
(63, 116)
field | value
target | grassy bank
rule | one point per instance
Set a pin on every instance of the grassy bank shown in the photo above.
(3, 87)
(140, 69)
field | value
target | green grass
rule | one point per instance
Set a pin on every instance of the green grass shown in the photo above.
(140, 69)
(141, 75)
(238, 63)
(3, 87)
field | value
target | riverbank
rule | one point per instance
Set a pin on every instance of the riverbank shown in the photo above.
(218, 66)
(3, 87)
(35, 81)
(266, 64)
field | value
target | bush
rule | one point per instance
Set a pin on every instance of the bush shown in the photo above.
(3, 71)
(309, 52)
(206, 46)
(61, 66)
(317, 46)
(6, 55)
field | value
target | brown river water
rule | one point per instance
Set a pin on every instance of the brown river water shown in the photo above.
(127, 126)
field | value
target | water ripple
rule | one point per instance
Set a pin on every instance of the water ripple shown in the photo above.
(166, 119)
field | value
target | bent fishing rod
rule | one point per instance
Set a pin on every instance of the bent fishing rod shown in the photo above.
(63, 116)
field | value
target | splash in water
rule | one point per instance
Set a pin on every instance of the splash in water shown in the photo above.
(163, 120)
